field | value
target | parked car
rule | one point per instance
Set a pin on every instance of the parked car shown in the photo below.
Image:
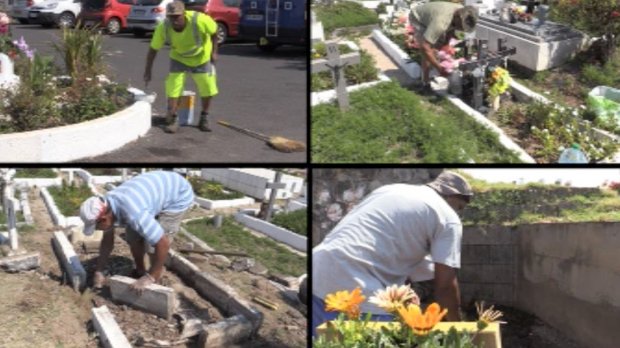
(145, 15)
(224, 12)
(61, 13)
(108, 14)
(19, 9)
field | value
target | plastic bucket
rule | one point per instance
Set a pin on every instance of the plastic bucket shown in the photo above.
(185, 110)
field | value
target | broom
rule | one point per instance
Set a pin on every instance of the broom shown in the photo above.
(279, 143)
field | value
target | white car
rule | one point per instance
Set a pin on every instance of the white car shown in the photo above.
(145, 15)
(19, 9)
(61, 13)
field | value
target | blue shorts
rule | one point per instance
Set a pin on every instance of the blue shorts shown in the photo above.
(319, 315)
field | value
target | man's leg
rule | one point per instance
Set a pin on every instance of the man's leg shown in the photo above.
(425, 70)
(136, 245)
(174, 89)
(207, 88)
(171, 223)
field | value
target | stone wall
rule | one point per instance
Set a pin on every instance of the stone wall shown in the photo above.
(337, 191)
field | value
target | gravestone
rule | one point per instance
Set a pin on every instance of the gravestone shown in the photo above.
(274, 186)
(317, 33)
(540, 44)
(12, 222)
(8, 79)
(336, 63)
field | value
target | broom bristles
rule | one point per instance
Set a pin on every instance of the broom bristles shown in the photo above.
(286, 145)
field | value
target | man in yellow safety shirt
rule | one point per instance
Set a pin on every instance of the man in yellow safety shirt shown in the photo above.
(193, 49)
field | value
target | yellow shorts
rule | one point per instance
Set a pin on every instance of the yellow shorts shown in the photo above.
(206, 83)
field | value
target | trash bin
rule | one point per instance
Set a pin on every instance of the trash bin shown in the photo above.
(605, 102)
(185, 110)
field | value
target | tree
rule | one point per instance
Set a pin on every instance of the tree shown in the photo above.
(599, 18)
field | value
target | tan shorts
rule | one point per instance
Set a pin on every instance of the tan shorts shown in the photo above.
(170, 222)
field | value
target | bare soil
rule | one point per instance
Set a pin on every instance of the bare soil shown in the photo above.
(42, 311)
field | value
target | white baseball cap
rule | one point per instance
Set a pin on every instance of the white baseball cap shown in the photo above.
(90, 211)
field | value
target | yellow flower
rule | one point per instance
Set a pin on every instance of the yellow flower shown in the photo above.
(422, 323)
(393, 297)
(346, 302)
(487, 316)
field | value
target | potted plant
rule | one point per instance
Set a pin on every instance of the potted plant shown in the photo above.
(413, 327)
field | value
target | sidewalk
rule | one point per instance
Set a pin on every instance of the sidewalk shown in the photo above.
(384, 63)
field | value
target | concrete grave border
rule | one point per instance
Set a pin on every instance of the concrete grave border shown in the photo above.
(223, 203)
(69, 260)
(222, 296)
(97, 179)
(275, 232)
(73, 142)
(110, 334)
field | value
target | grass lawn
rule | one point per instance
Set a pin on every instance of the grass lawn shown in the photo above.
(212, 190)
(343, 15)
(232, 237)
(35, 173)
(69, 198)
(295, 221)
(389, 124)
(19, 216)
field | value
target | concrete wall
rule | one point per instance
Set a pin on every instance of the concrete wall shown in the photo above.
(566, 274)
(280, 234)
(253, 181)
(569, 275)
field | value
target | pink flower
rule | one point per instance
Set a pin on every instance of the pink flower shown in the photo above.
(615, 14)
(409, 29)
(402, 20)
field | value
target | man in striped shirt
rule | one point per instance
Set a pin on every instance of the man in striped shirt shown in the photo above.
(151, 207)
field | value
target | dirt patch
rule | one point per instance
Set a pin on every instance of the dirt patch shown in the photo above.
(524, 330)
(36, 309)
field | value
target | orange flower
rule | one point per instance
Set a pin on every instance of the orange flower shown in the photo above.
(422, 323)
(346, 302)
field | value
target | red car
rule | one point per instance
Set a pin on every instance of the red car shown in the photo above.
(108, 14)
(224, 12)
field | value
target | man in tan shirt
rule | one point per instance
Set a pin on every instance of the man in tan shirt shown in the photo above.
(434, 24)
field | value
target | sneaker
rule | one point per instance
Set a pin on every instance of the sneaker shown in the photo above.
(204, 122)
(172, 124)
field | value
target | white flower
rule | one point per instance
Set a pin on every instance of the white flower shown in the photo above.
(533, 128)
(562, 148)
(546, 131)
(583, 107)
(393, 297)
(575, 113)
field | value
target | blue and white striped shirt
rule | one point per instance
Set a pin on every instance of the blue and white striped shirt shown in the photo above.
(137, 201)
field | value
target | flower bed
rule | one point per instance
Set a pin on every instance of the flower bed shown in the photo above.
(232, 237)
(414, 327)
(63, 203)
(37, 98)
(344, 14)
(296, 221)
(387, 123)
(35, 173)
(212, 190)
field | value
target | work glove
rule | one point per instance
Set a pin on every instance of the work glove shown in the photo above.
(139, 285)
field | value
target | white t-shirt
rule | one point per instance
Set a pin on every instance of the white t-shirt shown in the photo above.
(384, 239)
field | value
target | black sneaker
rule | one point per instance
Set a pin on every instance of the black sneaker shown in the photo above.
(172, 124)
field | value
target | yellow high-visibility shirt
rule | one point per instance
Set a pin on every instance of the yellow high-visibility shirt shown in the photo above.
(184, 41)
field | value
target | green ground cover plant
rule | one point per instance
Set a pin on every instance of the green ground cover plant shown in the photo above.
(344, 14)
(68, 198)
(232, 237)
(511, 204)
(35, 173)
(212, 190)
(389, 124)
(295, 221)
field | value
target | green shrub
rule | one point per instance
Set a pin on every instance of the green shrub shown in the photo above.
(232, 237)
(212, 190)
(104, 171)
(295, 221)
(387, 123)
(35, 173)
(344, 14)
(69, 198)
(595, 75)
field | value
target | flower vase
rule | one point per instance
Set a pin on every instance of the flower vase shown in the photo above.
(495, 103)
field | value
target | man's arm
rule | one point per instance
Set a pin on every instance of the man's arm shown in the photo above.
(429, 55)
(215, 48)
(150, 58)
(447, 292)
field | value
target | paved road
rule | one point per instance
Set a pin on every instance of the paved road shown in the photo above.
(262, 92)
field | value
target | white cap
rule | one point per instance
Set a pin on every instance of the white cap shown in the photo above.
(90, 211)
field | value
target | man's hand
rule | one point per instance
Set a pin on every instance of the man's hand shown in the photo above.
(98, 280)
(139, 285)
(213, 57)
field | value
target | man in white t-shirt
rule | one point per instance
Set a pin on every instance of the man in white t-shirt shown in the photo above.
(399, 232)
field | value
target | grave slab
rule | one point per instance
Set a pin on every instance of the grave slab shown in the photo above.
(110, 334)
(20, 262)
(155, 299)
(70, 261)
